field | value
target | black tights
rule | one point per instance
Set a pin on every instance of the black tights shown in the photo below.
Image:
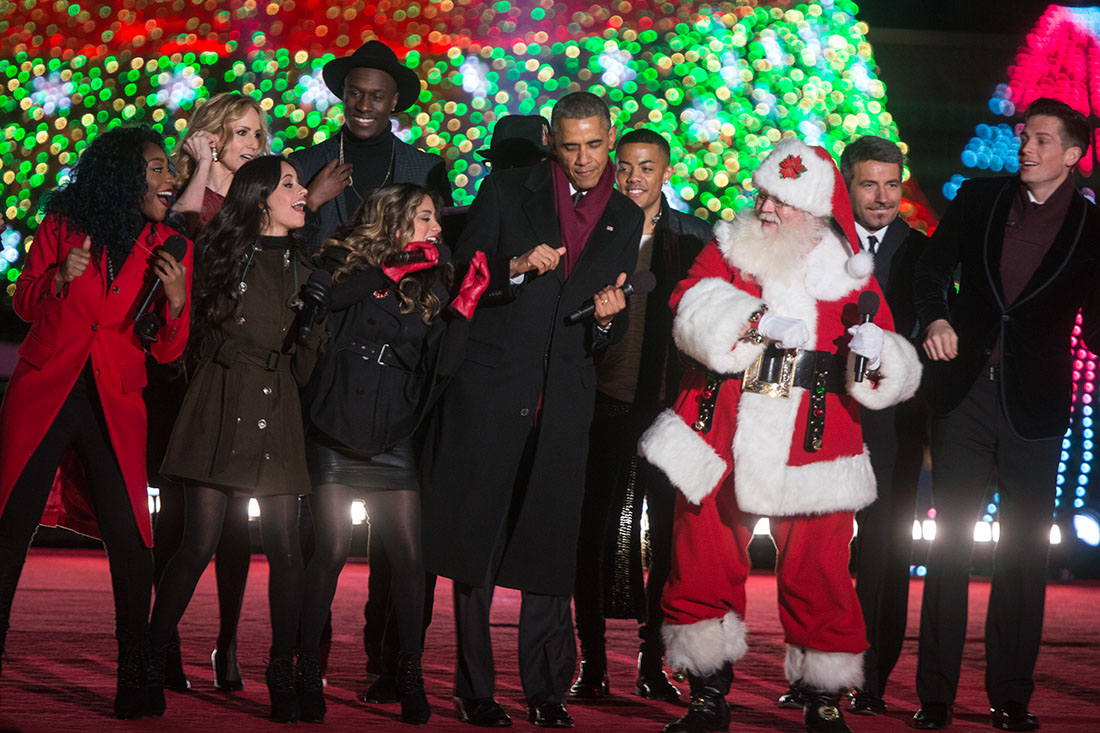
(205, 512)
(231, 559)
(81, 425)
(395, 515)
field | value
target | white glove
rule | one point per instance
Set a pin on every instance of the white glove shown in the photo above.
(791, 333)
(867, 342)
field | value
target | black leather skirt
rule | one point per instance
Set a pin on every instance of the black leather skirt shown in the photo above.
(330, 462)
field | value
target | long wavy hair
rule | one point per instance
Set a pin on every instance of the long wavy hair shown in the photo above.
(223, 247)
(382, 226)
(103, 195)
(217, 115)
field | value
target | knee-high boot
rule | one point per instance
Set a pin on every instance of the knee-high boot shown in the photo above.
(708, 710)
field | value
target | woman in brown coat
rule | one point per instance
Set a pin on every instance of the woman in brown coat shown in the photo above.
(240, 428)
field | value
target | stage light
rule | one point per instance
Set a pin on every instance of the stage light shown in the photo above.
(253, 509)
(358, 512)
(1055, 534)
(983, 532)
(917, 534)
(928, 529)
(1086, 525)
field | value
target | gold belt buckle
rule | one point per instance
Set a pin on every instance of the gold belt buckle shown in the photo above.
(751, 381)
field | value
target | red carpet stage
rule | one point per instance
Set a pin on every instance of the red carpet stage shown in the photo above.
(59, 670)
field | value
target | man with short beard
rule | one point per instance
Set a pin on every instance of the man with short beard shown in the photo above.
(767, 424)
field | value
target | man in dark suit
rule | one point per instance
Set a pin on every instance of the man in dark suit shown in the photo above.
(999, 384)
(505, 450)
(373, 85)
(636, 378)
(872, 170)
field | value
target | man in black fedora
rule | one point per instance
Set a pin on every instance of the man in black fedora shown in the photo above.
(373, 85)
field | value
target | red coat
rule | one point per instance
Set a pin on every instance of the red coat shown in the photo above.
(88, 320)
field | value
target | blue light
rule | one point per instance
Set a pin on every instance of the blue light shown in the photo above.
(1087, 433)
(1064, 456)
(1078, 503)
(1061, 479)
(1080, 491)
(1065, 444)
(1087, 444)
(1061, 467)
(1087, 422)
(1087, 455)
(1086, 410)
(991, 508)
(1058, 489)
(921, 571)
(1087, 528)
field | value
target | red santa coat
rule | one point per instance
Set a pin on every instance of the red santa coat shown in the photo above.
(89, 319)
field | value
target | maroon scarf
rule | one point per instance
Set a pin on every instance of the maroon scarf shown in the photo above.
(576, 223)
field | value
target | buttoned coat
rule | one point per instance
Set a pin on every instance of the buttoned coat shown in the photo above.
(91, 320)
(523, 359)
(1034, 330)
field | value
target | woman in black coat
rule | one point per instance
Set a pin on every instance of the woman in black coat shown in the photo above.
(393, 340)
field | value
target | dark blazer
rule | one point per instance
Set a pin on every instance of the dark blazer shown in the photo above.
(410, 166)
(895, 266)
(1034, 331)
(523, 359)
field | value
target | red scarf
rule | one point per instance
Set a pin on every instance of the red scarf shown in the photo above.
(577, 222)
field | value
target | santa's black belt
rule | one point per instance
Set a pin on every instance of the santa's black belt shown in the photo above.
(775, 374)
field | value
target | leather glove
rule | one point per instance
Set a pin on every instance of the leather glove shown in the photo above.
(314, 295)
(790, 333)
(473, 285)
(420, 256)
(867, 342)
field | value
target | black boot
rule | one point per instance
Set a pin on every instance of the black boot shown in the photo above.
(410, 685)
(795, 696)
(130, 689)
(227, 673)
(174, 676)
(821, 712)
(708, 710)
(155, 656)
(592, 682)
(280, 686)
(652, 682)
(311, 690)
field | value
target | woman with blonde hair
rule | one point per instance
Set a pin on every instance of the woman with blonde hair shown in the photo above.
(223, 134)
(396, 333)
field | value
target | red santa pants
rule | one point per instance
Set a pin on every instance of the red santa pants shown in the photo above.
(818, 607)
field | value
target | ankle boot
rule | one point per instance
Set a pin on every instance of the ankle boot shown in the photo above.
(410, 685)
(652, 682)
(227, 673)
(708, 710)
(592, 682)
(130, 689)
(821, 712)
(155, 656)
(280, 686)
(311, 691)
(174, 676)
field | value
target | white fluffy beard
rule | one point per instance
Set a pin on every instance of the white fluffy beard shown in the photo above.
(772, 255)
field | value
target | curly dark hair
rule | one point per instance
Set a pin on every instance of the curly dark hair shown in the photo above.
(223, 247)
(103, 195)
(383, 226)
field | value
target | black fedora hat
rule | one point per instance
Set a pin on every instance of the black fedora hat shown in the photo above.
(516, 136)
(374, 55)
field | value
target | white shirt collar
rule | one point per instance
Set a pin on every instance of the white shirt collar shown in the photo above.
(879, 234)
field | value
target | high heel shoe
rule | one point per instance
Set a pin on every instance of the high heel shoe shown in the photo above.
(154, 679)
(130, 689)
(311, 691)
(410, 685)
(227, 674)
(280, 686)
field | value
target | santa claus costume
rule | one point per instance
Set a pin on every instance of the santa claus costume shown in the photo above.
(762, 431)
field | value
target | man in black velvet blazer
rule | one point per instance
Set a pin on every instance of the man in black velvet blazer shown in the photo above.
(505, 448)
(999, 384)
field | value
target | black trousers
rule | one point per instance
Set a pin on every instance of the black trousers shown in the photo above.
(883, 546)
(612, 444)
(547, 651)
(969, 446)
(81, 424)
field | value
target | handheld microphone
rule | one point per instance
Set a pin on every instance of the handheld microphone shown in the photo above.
(147, 321)
(314, 301)
(640, 283)
(867, 305)
(405, 257)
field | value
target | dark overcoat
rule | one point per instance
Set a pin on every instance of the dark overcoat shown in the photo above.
(409, 166)
(521, 354)
(1034, 330)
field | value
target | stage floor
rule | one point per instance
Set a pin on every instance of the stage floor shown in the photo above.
(58, 673)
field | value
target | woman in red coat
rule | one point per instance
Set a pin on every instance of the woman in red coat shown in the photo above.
(74, 400)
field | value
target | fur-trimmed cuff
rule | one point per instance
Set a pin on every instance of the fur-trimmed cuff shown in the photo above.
(703, 647)
(824, 671)
(709, 321)
(900, 370)
(690, 463)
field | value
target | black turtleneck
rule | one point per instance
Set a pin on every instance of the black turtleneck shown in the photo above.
(372, 162)
(281, 242)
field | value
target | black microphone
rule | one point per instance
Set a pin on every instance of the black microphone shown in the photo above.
(405, 257)
(868, 306)
(314, 301)
(640, 283)
(147, 321)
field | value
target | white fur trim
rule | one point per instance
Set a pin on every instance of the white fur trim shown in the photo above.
(829, 672)
(703, 647)
(827, 270)
(709, 321)
(860, 265)
(690, 463)
(811, 191)
(901, 372)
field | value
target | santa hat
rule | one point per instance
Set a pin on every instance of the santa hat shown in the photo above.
(806, 178)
